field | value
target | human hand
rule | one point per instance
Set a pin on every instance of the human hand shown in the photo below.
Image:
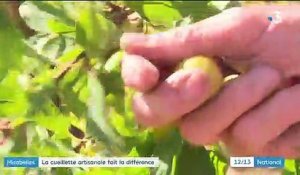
(257, 109)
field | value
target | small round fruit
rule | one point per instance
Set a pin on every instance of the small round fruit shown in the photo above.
(209, 66)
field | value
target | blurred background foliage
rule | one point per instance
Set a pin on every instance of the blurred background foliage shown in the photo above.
(61, 92)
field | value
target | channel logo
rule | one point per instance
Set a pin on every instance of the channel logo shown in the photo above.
(275, 17)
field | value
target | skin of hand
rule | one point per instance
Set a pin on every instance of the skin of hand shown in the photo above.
(253, 114)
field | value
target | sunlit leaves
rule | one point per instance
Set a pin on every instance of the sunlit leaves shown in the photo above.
(34, 17)
(114, 62)
(70, 55)
(167, 13)
(219, 161)
(68, 77)
(49, 148)
(96, 33)
(121, 125)
(14, 102)
(59, 27)
(54, 27)
(11, 45)
(157, 12)
(290, 166)
(97, 123)
(51, 46)
(72, 102)
(198, 10)
(41, 15)
(58, 124)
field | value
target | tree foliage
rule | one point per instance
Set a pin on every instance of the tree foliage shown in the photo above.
(62, 93)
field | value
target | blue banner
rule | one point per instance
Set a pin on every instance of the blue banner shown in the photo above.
(269, 162)
(29, 162)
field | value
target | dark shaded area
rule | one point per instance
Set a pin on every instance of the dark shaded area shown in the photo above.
(194, 161)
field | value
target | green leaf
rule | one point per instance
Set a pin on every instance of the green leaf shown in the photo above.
(198, 10)
(81, 89)
(20, 139)
(11, 45)
(116, 101)
(54, 47)
(134, 170)
(59, 27)
(34, 17)
(38, 15)
(49, 148)
(166, 13)
(64, 171)
(286, 172)
(43, 100)
(100, 171)
(157, 12)
(193, 161)
(72, 101)
(58, 124)
(129, 94)
(289, 165)
(11, 90)
(62, 11)
(120, 124)
(297, 166)
(166, 150)
(97, 123)
(114, 88)
(114, 62)
(220, 164)
(113, 83)
(51, 46)
(70, 55)
(96, 33)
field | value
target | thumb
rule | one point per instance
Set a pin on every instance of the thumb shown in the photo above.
(226, 34)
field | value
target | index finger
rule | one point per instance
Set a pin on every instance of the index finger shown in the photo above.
(228, 33)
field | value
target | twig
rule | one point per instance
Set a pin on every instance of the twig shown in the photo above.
(68, 67)
(12, 8)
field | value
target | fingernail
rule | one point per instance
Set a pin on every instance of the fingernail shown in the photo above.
(191, 84)
(131, 38)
